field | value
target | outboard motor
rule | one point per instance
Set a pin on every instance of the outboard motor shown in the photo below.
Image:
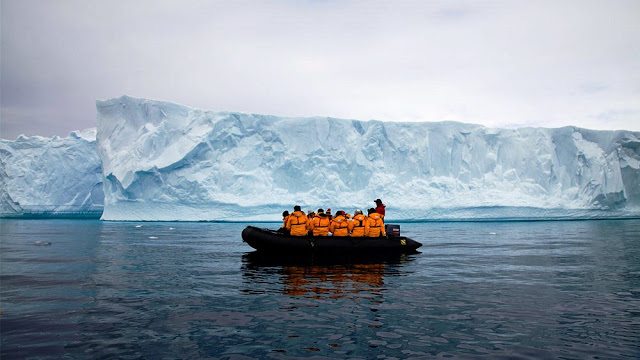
(392, 230)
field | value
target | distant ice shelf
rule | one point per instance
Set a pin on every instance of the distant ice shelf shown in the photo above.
(159, 161)
(51, 177)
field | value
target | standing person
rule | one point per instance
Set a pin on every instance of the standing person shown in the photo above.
(297, 223)
(380, 207)
(357, 224)
(339, 225)
(328, 213)
(375, 225)
(319, 225)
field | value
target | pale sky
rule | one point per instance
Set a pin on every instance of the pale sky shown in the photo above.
(496, 63)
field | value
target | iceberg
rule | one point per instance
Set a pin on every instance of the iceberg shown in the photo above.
(45, 177)
(164, 161)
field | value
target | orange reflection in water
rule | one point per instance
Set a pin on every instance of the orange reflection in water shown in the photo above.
(337, 281)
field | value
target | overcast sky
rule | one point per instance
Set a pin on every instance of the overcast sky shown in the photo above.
(496, 63)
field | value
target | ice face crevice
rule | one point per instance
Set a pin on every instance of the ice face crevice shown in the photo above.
(163, 161)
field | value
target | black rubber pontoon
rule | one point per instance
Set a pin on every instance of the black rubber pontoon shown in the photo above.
(265, 240)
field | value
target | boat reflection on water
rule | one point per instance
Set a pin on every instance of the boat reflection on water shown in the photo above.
(333, 281)
(323, 277)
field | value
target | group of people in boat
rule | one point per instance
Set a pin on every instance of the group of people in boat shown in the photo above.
(323, 223)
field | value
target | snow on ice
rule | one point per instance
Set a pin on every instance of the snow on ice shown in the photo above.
(51, 176)
(163, 161)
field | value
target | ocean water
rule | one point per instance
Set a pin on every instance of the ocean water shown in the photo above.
(80, 289)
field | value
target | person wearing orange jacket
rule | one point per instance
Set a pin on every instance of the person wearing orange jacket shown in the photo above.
(297, 222)
(319, 225)
(285, 217)
(375, 225)
(339, 225)
(328, 213)
(357, 224)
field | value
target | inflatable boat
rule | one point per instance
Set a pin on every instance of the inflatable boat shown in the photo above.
(271, 241)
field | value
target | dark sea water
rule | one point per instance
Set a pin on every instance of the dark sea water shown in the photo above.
(492, 290)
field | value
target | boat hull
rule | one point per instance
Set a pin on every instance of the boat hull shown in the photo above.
(265, 240)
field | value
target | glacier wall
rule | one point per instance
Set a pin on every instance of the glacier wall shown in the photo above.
(163, 161)
(55, 176)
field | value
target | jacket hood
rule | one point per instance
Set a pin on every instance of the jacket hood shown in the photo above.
(375, 216)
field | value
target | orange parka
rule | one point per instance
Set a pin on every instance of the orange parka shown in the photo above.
(284, 221)
(374, 226)
(320, 225)
(357, 225)
(339, 226)
(297, 223)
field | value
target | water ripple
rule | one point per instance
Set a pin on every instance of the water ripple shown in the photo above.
(566, 290)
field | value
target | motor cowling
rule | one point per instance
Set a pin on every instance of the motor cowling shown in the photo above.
(392, 230)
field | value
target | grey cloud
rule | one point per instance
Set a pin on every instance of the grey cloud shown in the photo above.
(490, 62)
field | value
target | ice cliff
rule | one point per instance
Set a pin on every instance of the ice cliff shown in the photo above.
(51, 176)
(163, 161)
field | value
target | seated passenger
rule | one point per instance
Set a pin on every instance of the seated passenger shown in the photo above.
(297, 223)
(310, 215)
(374, 226)
(357, 225)
(339, 225)
(319, 225)
(285, 217)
